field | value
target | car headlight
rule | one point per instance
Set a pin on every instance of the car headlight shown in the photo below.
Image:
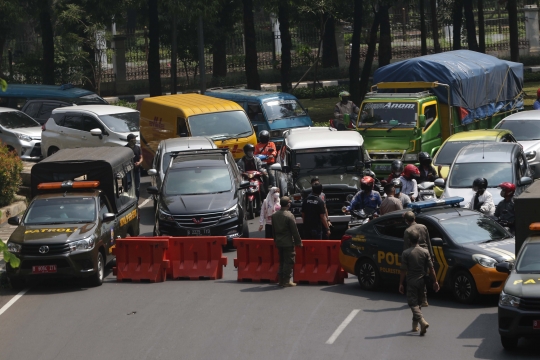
(84, 244)
(484, 260)
(14, 248)
(230, 213)
(23, 137)
(410, 157)
(530, 155)
(165, 216)
(508, 300)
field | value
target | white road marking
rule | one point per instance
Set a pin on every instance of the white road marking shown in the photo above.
(13, 300)
(144, 202)
(342, 326)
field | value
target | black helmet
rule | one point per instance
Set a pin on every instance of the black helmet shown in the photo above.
(480, 184)
(397, 183)
(424, 158)
(264, 136)
(368, 172)
(397, 167)
(249, 147)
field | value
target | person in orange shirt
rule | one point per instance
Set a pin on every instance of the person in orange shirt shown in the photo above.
(266, 151)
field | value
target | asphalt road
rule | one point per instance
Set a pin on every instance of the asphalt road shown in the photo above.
(224, 319)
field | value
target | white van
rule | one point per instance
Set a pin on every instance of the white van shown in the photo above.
(88, 126)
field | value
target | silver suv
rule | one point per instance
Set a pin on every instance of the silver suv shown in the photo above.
(20, 133)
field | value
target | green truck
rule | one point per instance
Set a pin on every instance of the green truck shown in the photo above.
(418, 103)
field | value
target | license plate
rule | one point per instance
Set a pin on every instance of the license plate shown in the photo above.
(198, 232)
(536, 324)
(44, 269)
(382, 167)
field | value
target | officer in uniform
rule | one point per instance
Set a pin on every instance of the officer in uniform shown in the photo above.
(414, 262)
(345, 107)
(286, 237)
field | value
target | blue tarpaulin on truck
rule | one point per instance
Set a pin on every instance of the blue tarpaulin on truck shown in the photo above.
(480, 84)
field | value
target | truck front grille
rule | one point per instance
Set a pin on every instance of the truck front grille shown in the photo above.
(54, 249)
(529, 304)
(375, 155)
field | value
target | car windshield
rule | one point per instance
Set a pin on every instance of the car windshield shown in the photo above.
(282, 109)
(473, 228)
(17, 120)
(351, 180)
(63, 210)
(529, 259)
(462, 175)
(221, 125)
(122, 122)
(522, 130)
(327, 158)
(389, 113)
(448, 152)
(197, 181)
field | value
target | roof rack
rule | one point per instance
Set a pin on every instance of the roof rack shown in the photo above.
(418, 95)
(452, 201)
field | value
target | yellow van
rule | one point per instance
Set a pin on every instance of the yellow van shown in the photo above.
(166, 117)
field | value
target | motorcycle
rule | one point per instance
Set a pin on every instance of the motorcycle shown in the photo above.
(426, 191)
(253, 193)
(505, 224)
(358, 217)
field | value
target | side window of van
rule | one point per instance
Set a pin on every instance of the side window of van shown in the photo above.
(46, 110)
(90, 123)
(73, 121)
(254, 112)
(58, 119)
(181, 127)
(32, 109)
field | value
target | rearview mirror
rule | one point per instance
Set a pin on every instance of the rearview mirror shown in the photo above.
(14, 220)
(439, 182)
(504, 267)
(422, 120)
(524, 181)
(108, 217)
(437, 242)
(152, 190)
(276, 167)
(152, 172)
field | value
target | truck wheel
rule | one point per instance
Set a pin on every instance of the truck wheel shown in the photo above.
(97, 278)
(368, 275)
(509, 343)
(464, 287)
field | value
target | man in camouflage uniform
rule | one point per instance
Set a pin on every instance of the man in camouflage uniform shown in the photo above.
(286, 237)
(414, 262)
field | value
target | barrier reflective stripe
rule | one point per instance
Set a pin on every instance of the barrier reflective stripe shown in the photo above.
(141, 258)
(198, 257)
(257, 260)
(318, 262)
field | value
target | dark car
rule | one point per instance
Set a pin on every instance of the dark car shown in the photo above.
(519, 302)
(41, 109)
(466, 243)
(201, 195)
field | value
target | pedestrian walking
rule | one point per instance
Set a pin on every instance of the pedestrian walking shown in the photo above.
(414, 262)
(286, 237)
(269, 206)
(391, 203)
(137, 160)
(314, 215)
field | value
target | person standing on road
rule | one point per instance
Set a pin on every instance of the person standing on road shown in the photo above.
(314, 215)
(414, 262)
(391, 203)
(269, 206)
(137, 160)
(285, 237)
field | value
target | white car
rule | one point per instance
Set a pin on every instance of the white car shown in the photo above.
(20, 133)
(88, 126)
(525, 126)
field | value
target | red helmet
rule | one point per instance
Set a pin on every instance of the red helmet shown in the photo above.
(508, 188)
(411, 171)
(367, 183)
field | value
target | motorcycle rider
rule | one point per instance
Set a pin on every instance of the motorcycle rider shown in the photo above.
(408, 179)
(504, 212)
(266, 148)
(427, 171)
(377, 186)
(396, 170)
(249, 162)
(482, 200)
(366, 197)
(344, 106)
(405, 200)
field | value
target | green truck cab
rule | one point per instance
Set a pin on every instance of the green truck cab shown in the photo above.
(418, 103)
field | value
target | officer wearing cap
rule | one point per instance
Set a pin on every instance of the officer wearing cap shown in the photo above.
(137, 160)
(344, 108)
(286, 236)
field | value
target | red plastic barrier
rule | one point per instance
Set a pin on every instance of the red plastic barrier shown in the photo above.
(318, 262)
(257, 260)
(199, 257)
(141, 258)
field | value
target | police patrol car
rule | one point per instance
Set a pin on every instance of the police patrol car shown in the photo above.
(466, 243)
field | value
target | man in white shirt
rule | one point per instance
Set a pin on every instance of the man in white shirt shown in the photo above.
(481, 201)
(408, 181)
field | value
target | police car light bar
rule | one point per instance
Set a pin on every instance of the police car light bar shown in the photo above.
(454, 200)
(68, 184)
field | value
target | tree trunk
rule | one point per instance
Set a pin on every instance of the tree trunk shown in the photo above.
(366, 71)
(329, 47)
(513, 27)
(47, 41)
(435, 26)
(457, 21)
(286, 45)
(423, 35)
(385, 41)
(354, 65)
(470, 25)
(481, 27)
(3, 39)
(219, 59)
(252, 74)
(174, 55)
(154, 71)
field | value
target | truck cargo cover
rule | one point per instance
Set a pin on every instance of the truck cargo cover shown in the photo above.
(482, 84)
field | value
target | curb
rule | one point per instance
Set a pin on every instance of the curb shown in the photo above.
(11, 210)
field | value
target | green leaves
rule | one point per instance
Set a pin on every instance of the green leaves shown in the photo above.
(9, 258)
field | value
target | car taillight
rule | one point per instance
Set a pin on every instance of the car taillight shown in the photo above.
(346, 237)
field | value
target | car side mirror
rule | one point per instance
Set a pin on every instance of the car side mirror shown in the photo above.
(108, 217)
(276, 167)
(524, 181)
(504, 267)
(422, 121)
(15, 220)
(152, 190)
(437, 242)
(256, 128)
(367, 164)
(97, 132)
(152, 172)
(243, 185)
(439, 182)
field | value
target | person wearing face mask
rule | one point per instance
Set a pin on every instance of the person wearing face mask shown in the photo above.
(482, 200)
(408, 179)
(396, 170)
(137, 160)
(405, 200)
(505, 212)
(269, 206)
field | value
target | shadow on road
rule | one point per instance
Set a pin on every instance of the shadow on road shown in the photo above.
(386, 336)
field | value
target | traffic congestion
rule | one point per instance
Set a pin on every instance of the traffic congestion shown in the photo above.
(418, 190)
